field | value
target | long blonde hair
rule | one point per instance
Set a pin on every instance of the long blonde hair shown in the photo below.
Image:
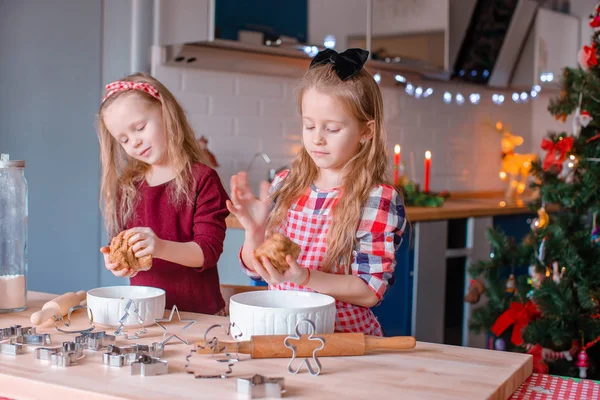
(122, 174)
(368, 168)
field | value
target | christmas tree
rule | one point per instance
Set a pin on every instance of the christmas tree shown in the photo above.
(544, 291)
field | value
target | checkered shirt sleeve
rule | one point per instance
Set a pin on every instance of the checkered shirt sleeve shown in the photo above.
(379, 236)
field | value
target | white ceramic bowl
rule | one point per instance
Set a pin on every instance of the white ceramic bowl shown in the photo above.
(276, 312)
(108, 304)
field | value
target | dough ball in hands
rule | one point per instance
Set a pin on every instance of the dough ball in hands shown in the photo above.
(276, 248)
(122, 253)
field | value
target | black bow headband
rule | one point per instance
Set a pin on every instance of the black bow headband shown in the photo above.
(346, 64)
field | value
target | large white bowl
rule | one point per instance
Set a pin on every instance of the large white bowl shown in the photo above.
(108, 304)
(276, 312)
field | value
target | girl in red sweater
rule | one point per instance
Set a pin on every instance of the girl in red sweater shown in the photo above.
(157, 187)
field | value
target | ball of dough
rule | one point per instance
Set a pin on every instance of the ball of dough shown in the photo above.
(122, 253)
(276, 248)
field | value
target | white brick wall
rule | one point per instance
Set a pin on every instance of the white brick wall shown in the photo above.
(244, 114)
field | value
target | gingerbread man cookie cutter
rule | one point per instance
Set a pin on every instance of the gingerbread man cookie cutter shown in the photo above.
(311, 336)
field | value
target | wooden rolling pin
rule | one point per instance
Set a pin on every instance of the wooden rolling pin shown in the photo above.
(336, 344)
(58, 306)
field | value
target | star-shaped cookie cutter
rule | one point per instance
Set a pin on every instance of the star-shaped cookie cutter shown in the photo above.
(260, 386)
(298, 336)
(174, 310)
(131, 308)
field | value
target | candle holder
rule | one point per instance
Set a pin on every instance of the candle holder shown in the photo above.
(413, 196)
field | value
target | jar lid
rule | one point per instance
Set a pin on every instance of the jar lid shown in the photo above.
(6, 162)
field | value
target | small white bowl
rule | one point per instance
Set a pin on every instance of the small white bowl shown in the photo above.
(108, 304)
(276, 312)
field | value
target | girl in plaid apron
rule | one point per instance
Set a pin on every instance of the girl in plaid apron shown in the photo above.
(334, 202)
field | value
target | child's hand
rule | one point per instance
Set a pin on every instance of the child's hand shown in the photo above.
(250, 211)
(295, 274)
(144, 242)
(125, 272)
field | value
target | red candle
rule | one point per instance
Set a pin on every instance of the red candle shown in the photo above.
(427, 170)
(396, 163)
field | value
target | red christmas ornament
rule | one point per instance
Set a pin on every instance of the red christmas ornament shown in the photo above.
(556, 152)
(582, 363)
(587, 57)
(518, 314)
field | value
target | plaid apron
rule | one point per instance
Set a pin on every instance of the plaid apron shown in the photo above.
(309, 231)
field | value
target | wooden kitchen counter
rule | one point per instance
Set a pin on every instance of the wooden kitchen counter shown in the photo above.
(454, 207)
(430, 371)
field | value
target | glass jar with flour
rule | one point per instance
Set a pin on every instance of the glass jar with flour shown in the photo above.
(13, 235)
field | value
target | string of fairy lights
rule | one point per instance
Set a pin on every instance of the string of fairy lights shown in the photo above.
(462, 97)
(449, 97)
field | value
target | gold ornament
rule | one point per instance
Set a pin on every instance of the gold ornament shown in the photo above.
(542, 219)
(511, 284)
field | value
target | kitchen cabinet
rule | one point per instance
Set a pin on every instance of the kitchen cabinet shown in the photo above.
(427, 298)
(183, 21)
(552, 45)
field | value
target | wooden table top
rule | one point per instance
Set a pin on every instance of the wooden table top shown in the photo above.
(429, 371)
(462, 207)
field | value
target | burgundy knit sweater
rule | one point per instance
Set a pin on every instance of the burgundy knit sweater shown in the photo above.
(191, 289)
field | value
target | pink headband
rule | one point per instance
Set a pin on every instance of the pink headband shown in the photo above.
(119, 86)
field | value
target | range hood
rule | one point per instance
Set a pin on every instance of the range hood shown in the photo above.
(479, 41)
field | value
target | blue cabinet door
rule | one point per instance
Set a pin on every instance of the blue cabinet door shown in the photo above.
(395, 311)
(516, 227)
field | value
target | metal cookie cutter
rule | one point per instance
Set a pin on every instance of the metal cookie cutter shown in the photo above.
(24, 335)
(16, 330)
(42, 339)
(190, 323)
(95, 340)
(131, 307)
(11, 347)
(65, 356)
(121, 356)
(146, 365)
(215, 347)
(306, 362)
(259, 386)
(68, 320)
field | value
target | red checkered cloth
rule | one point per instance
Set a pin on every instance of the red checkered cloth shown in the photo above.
(548, 387)
(379, 235)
